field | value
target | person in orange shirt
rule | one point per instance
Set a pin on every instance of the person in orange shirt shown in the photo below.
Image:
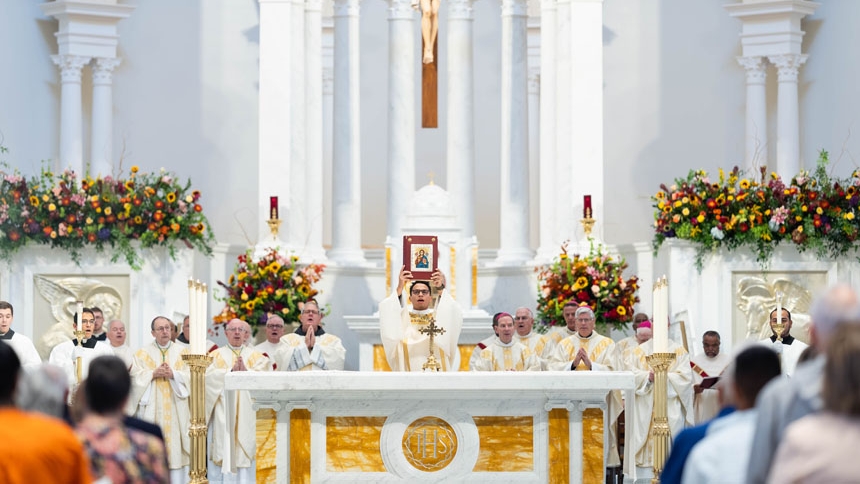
(39, 448)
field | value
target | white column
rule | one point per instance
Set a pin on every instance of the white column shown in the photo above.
(534, 153)
(756, 111)
(313, 247)
(296, 225)
(547, 82)
(71, 131)
(586, 108)
(788, 117)
(514, 174)
(274, 108)
(328, 147)
(401, 113)
(346, 183)
(101, 159)
(564, 220)
(461, 114)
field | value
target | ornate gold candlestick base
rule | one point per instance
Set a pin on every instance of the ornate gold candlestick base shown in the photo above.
(198, 364)
(274, 226)
(661, 435)
(432, 364)
(587, 225)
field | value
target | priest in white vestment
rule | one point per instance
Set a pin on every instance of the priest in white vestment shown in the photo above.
(22, 345)
(568, 312)
(540, 344)
(310, 347)
(159, 393)
(182, 338)
(790, 348)
(274, 331)
(679, 398)
(65, 354)
(586, 350)
(234, 441)
(406, 348)
(484, 343)
(117, 338)
(505, 353)
(630, 342)
(710, 364)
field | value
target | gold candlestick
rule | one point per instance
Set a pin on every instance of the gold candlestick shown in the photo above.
(661, 435)
(79, 363)
(197, 432)
(587, 225)
(274, 226)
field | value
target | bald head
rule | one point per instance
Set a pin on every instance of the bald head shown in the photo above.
(836, 306)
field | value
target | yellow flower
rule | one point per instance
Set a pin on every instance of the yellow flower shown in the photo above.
(135, 169)
(621, 310)
(171, 197)
(685, 200)
(581, 282)
(722, 175)
(745, 184)
(819, 211)
(678, 203)
(685, 212)
(89, 220)
(108, 211)
(44, 198)
(52, 207)
(804, 208)
(53, 234)
(660, 195)
(565, 287)
(765, 236)
(798, 218)
(848, 216)
(189, 199)
(244, 297)
(800, 229)
(34, 201)
(603, 283)
(701, 218)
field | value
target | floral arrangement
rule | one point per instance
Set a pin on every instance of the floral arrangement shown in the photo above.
(273, 284)
(595, 280)
(813, 212)
(143, 211)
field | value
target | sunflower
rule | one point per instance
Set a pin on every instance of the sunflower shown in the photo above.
(171, 197)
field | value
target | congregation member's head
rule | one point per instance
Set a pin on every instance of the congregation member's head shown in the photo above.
(524, 320)
(274, 329)
(235, 332)
(568, 312)
(186, 328)
(644, 332)
(836, 306)
(116, 333)
(88, 322)
(43, 389)
(107, 386)
(9, 376)
(7, 314)
(711, 344)
(99, 320)
(841, 389)
(506, 328)
(419, 295)
(162, 329)
(784, 319)
(311, 316)
(584, 318)
(754, 368)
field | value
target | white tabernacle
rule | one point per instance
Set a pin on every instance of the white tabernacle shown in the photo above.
(431, 427)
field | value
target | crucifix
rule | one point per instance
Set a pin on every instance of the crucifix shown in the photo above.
(429, 55)
(432, 330)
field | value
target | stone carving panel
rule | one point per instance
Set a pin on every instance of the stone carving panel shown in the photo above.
(755, 297)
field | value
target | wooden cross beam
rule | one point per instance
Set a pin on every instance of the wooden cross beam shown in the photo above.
(429, 90)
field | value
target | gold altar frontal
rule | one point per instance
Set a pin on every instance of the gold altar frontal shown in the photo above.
(506, 443)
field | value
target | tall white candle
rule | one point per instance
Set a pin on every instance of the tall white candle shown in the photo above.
(191, 311)
(778, 313)
(79, 310)
(200, 337)
(661, 316)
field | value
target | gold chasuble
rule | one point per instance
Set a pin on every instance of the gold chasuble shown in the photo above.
(601, 352)
(513, 356)
(406, 348)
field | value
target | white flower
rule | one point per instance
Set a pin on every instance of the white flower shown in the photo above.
(717, 233)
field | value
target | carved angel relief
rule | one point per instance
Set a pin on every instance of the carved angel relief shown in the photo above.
(757, 298)
(61, 294)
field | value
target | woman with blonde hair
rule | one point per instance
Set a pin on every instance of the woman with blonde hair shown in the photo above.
(823, 447)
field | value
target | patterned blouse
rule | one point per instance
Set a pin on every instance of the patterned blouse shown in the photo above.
(122, 454)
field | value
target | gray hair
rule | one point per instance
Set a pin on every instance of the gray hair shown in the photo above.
(43, 389)
(837, 305)
(584, 310)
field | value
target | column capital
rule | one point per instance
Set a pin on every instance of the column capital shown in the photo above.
(460, 9)
(346, 8)
(787, 65)
(401, 10)
(755, 67)
(548, 5)
(70, 66)
(103, 69)
(514, 8)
